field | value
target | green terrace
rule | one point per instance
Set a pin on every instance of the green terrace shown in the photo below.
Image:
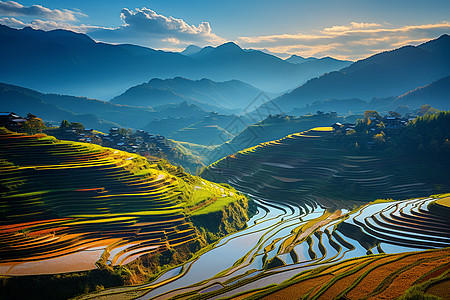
(319, 230)
(70, 206)
(310, 163)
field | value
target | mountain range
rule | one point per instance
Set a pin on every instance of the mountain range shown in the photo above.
(178, 107)
(92, 113)
(385, 74)
(64, 62)
(208, 94)
(434, 94)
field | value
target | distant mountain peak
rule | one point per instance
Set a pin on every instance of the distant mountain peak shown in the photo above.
(180, 78)
(296, 56)
(230, 46)
(29, 29)
(297, 59)
(191, 49)
(444, 36)
(438, 46)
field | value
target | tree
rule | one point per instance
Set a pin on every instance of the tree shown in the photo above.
(427, 109)
(124, 131)
(369, 115)
(78, 127)
(379, 138)
(33, 126)
(64, 124)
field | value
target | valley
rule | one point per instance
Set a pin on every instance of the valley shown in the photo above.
(232, 150)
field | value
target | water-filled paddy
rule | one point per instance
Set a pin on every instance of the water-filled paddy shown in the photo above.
(238, 261)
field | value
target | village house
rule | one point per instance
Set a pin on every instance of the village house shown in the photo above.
(12, 121)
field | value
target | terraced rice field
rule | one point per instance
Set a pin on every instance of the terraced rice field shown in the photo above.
(307, 239)
(65, 206)
(307, 164)
(285, 243)
(375, 277)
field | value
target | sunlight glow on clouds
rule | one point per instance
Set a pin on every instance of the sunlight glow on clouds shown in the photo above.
(11, 8)
(353, 41)
(146, 27)
(352, 26)
(157, 30)
(47, 25)
(142, 26)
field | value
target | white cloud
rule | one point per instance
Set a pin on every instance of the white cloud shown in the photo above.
(48, 25)
(352, 41)
(146, 27)
(352, 26)
(142, 26)
(11, 8)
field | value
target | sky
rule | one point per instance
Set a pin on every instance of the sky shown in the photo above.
(344, 29)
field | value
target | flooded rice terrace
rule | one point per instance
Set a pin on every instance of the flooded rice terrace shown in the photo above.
(284, 239)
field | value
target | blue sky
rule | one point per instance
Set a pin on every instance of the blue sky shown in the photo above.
(350, 29)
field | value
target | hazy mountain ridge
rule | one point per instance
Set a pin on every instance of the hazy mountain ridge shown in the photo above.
(254, 64)
(206, 93)
(65, 62)
(214, 129)
(26, 101)
(381, 75)
(296, 59)
(93, 113)
(437, 94)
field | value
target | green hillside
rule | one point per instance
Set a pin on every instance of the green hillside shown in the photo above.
(314, 235)
(71, 207)
(327, 164)
(272, 128)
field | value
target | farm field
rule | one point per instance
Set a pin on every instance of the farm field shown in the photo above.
(69, 206)
(309, 165)
(306, 238)
(286, 251)
(308, 228)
